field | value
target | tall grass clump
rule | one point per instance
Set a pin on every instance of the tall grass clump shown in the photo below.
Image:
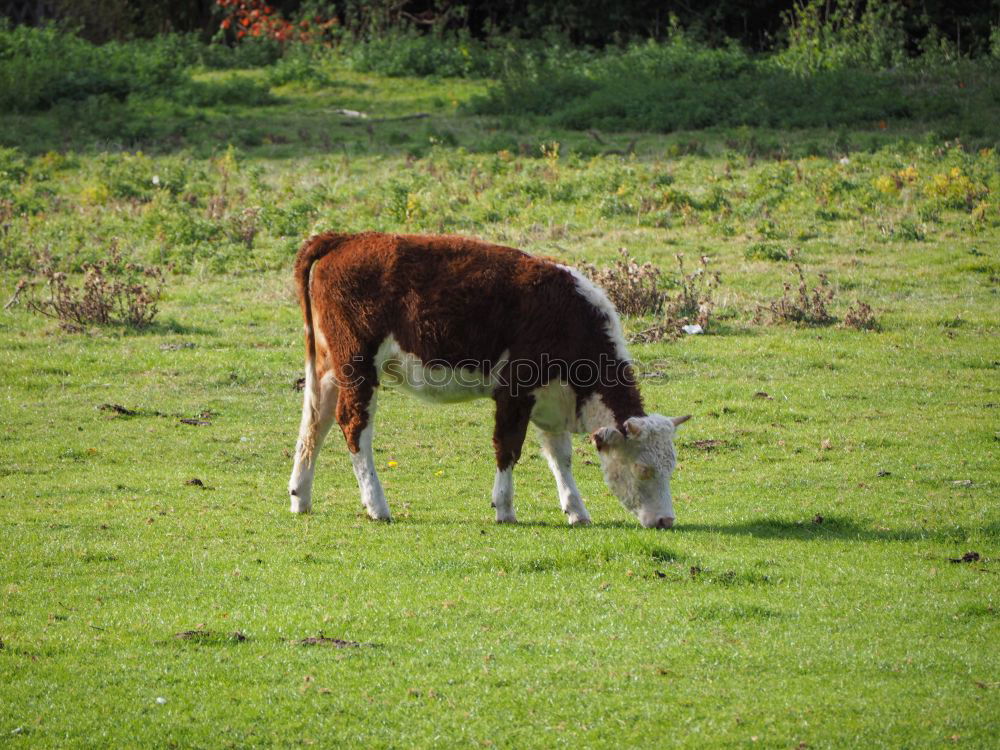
(406, 52)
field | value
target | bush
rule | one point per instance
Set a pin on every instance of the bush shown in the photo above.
(42, 66)
(825, 35)
(681, 84)
(693, 304)
(803, 305)
(861, 317)
(633, 288)
(410, 53)
(112, 292)
(304, 64)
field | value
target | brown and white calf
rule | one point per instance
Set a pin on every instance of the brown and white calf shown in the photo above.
(449, 319)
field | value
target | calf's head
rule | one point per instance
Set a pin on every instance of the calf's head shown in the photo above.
(637, 462)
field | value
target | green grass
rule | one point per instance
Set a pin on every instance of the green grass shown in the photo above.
(806, 595)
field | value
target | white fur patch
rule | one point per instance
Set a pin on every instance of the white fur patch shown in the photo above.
(555, 407)
(594, 414)
(363, 463)
(596, 296)
(436, 383)
(503, 495)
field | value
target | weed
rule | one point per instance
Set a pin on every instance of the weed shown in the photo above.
(803, 305)
(860, 316)
(112, 292)
(244, 226)
(633, 288)
(693, 304)
(765, 251)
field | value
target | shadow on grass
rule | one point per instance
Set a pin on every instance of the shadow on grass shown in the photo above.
(174, 326)
(830, 528)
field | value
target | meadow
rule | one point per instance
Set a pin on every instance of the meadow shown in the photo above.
(832, 578)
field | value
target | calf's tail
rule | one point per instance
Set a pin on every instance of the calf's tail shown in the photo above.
(311, 251)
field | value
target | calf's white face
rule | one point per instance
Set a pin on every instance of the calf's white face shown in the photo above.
(637, 464)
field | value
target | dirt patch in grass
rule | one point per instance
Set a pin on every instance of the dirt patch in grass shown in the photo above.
(322, 640)
(968, 557)
(708, 445)
(207, 636)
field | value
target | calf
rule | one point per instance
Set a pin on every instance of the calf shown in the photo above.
(449, 319)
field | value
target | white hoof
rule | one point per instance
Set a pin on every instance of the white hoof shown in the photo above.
(379, 514)
(578, 519)
(300, 505)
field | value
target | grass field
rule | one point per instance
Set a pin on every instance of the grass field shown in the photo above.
(808, 597)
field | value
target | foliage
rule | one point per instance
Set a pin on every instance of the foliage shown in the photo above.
(113, 291)
(682, 84)
(41, 66)
(756, 24)
(259, 19)
(410, 53)
(841, 35)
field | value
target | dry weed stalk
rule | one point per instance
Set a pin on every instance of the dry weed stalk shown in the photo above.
(633, 288)
(861, 316)
(693, 304)
(803, 305)
(113, 292)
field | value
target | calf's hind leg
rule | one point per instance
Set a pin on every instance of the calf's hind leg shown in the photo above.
(356, 416)
(557, 447)
(318, 402)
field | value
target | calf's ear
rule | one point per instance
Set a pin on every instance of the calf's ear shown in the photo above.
(606, 436)
(633, 427)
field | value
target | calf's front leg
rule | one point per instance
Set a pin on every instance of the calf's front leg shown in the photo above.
(557, 447)
(508, 437)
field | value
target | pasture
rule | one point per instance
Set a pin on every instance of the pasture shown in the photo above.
(155, 590)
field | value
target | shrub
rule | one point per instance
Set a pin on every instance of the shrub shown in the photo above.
(633, 288)
(409, 53)
(860, 316)
(693, 304)
(301, 63)
(681, 84)
(41, 66)
(112, 292)
(801, 305)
